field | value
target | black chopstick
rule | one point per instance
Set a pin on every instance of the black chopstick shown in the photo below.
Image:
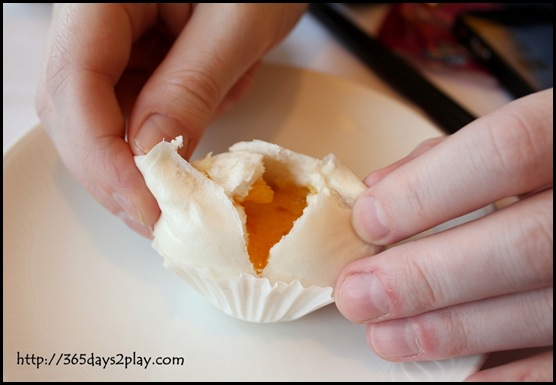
(394, 70)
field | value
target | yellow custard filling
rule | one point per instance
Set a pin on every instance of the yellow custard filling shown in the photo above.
(271, 211)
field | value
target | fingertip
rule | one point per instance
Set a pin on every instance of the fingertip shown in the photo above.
(376, 176)
(158, 128)
(119, 185)
(361, 297)
(139, 228)
(140, 218)
(395, 340)
(139, 210)
(369, 220)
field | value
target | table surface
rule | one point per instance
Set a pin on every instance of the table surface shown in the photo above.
(309, 45)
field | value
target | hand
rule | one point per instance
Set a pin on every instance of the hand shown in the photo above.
(161, 70)
(484, 286)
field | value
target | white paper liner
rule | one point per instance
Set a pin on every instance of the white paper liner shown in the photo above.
(251, 298)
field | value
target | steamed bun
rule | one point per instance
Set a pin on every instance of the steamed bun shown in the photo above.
(259, 209)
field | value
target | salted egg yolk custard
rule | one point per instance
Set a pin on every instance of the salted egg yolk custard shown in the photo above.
(271, 212)
(259, 209)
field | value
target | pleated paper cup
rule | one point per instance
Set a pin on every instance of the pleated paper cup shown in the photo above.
(253, 299)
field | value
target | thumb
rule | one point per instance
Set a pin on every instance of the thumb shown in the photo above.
(217, 47)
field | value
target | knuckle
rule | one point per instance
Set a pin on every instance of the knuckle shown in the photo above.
(417, 198)
(56, 76)
(442, 334)
(195, 89)
(104, 168)
(541, 304)
(535, 239)
(539, 241)
(111, 164)
(548, 308)
(422, 291)
(60, 57)
(418, 201)
(515, 145)
(51, 84)
(455, 333)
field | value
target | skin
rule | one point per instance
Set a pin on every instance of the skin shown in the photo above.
(484, 286)
(161, 70)
(119, 78)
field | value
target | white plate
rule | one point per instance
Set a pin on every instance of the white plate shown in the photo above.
(77, 281)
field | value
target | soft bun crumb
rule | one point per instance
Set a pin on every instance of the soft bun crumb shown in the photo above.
(215, 208)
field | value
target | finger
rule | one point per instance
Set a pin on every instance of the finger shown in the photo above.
(238, 91)
(506, 356)
(78, 107)
(504, 154)
(503, 323)
(220, 43)
(538, 368)
(505, 252)
(423, 147)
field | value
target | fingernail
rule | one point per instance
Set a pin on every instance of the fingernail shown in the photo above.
(369, 220)
(128, 206)
(145, 231)
(362, 298)
(375, 176)
(157, 128)
(395, 339)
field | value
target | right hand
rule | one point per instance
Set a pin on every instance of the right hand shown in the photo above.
(483, 286)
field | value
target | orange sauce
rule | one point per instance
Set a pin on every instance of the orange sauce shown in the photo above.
(271, 211)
